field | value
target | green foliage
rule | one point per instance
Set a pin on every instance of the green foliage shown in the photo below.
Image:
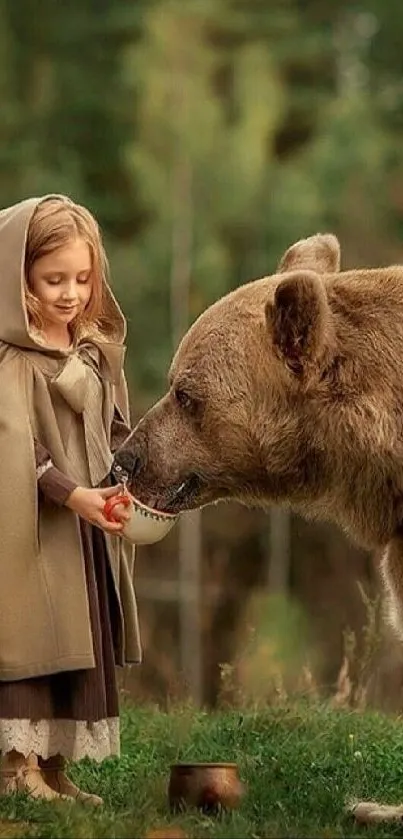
(207, 135)
(301, 764)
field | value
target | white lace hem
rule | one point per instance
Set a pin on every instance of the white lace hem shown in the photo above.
(71, 738)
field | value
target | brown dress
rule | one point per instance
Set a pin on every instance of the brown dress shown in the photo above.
(74, 713)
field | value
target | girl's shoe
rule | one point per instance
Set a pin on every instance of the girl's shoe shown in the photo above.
(21, 774)
(56, 778)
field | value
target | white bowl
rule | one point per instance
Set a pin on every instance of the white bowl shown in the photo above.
(145, 526)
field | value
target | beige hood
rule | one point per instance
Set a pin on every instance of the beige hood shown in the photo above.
(49, 394)
(14, 326)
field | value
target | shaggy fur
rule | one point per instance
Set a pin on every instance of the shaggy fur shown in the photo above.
(289, 390)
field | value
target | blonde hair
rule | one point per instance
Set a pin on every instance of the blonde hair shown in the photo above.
(54, 223)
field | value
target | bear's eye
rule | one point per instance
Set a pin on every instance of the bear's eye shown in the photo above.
(183, 399)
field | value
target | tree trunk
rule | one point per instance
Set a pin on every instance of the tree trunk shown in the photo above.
(189, 525)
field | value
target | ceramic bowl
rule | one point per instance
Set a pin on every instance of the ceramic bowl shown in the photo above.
(145, 526)
(210, 787)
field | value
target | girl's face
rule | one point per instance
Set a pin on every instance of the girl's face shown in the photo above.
(62, 283)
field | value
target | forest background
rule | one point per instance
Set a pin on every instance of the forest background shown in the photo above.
(207, 136)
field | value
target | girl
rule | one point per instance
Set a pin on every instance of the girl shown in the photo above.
(67, 604)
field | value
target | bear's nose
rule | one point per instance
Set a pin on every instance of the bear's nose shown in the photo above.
(126, 467)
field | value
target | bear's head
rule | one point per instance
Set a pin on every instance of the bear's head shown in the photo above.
(282, 392)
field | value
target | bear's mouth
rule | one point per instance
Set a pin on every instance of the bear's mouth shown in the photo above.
(175, 499)
(183, 496)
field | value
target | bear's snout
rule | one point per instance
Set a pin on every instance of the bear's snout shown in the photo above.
(128, 462)
(154, 471)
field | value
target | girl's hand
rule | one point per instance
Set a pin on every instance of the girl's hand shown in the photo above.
(89, 505)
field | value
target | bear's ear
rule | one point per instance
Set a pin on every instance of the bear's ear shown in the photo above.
(320, 253)
(300, 321)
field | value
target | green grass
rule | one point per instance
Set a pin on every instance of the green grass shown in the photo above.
(300, 764)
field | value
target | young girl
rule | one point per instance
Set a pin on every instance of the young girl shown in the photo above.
(67, 605)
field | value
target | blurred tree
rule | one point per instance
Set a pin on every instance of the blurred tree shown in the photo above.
(293, 116)
(76, 114)
(207, 135)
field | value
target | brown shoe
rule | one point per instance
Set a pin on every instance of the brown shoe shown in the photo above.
(56, 778)
(19, 774)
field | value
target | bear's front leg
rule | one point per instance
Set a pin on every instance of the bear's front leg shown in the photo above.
(391, 568)
(370, 812)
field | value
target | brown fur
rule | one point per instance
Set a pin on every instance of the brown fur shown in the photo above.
(289, 390)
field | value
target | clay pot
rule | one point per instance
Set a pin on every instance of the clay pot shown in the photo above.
(210, 787)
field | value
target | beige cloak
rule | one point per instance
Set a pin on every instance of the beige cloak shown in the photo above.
(49, 394)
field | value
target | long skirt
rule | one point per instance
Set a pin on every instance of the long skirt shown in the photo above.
(76, 713)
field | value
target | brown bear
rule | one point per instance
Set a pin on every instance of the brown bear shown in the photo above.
(289, 390)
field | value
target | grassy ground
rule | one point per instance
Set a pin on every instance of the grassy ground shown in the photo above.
(300, 765)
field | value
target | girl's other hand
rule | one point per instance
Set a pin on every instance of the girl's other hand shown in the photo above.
(89, 505)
